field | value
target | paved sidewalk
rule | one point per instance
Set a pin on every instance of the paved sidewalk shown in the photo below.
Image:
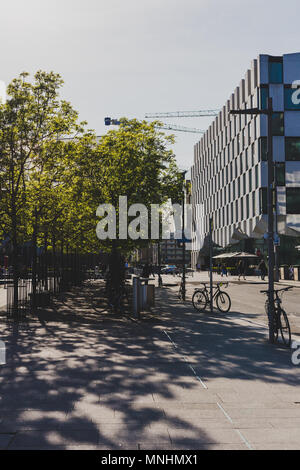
(175, 380)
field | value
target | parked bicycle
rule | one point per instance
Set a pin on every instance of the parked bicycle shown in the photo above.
(281, 322)
(181, 290)
(201, 297)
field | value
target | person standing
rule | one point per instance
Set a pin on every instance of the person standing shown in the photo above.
(263, 269)
(241, 269)
(223, 270)
(146, 272)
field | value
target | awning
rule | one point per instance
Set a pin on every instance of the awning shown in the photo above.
(224, 255)
(239, 254)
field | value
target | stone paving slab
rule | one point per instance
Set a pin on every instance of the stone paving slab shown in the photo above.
(118, 384)
(5, 439)
(273, 436)
(204, 436)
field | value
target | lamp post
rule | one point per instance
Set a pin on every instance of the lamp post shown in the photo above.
(276, 245)
(268, 112)
(183, 238)
(211, 264)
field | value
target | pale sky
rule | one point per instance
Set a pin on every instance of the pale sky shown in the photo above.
(129, 57)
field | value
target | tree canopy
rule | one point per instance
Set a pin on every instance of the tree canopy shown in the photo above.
(54, 172)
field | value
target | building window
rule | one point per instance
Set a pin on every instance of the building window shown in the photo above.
(278, 124)
(292, 148)
(264, 95)
(275, 70)
(253, 204)
(280, 174)
(249, 133)
(293, 200)
(256, 177)
(250, 180)
(247, 206)
(244, 183)
(263, 201)
(263, 149)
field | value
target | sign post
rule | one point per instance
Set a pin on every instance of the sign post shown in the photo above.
(211, 263)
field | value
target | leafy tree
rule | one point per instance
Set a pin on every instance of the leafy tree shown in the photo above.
(32, 123)
(135, 161)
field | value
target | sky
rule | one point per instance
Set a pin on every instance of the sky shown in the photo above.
(128, 58)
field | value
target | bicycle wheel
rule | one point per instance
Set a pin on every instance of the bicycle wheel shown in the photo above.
(223, 302)
(199, 300)
(284, 326)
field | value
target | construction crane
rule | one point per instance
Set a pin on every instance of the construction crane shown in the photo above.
(203, 113)
(170, 127)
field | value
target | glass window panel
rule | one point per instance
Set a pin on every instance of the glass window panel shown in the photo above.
(264, 95)
(278, 123)
(247, 206)
(263, 149)
(263, 201)
(280, 174)
(292, 148)
(293, 200)
(275, 72)
(250, 180)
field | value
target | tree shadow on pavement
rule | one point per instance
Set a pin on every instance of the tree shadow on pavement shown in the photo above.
(88, 381)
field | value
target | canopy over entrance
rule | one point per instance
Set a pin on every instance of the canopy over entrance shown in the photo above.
(239, 254)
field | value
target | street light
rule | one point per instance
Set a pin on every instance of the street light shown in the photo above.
(268, 112)
(183, 237)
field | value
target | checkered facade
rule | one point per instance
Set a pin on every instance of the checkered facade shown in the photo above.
(229, 175)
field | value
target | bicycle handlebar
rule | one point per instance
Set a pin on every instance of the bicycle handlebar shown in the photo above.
(277, 290)
(225, 284)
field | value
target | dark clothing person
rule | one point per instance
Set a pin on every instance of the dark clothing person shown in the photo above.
(146, 272)
(241, 269)
(263, 269)
(223, 270)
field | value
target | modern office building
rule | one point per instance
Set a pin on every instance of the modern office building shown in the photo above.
(229, 175)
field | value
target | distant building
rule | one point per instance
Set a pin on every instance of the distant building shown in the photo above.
(229, 175)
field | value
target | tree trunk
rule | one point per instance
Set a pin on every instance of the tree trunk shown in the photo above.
(34, 262)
